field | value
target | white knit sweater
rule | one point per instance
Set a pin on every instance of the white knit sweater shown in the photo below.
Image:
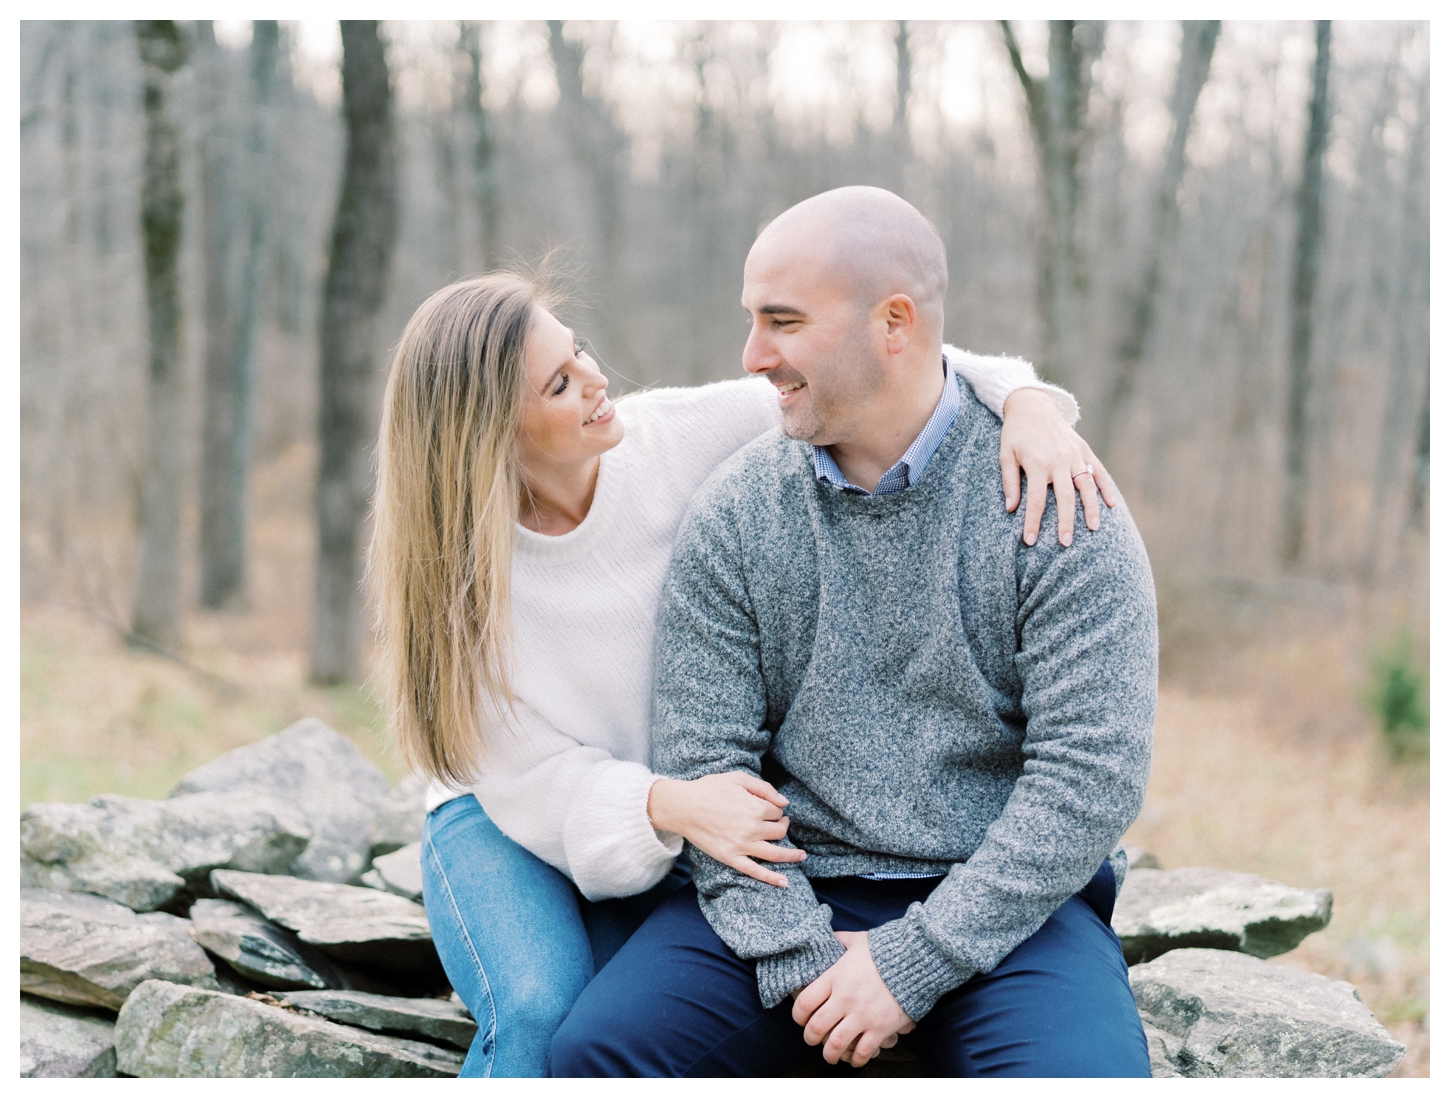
(568, 781)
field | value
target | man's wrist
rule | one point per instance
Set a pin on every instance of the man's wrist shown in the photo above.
(913, 970)
(782, 975)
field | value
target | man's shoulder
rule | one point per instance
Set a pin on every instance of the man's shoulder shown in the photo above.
(763, 469)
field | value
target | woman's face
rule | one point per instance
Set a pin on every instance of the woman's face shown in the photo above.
(567, 419)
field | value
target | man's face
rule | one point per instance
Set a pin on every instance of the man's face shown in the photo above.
(809, 337)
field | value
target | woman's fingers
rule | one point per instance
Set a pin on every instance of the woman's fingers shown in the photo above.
(1066, 496)
(1011, 477)
(1087, 488)
(769, 852)
(756, 870)
(1100, 475)
(1036, 504)
(763, 789)
(773, 830)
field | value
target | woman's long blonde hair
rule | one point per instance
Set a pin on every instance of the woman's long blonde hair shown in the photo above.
(446, 502)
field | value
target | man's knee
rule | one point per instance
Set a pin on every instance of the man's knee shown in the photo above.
(588, 1047)
(572, 1054)
(1108, 1052)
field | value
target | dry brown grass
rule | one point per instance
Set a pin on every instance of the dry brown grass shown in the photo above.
(1264, 762)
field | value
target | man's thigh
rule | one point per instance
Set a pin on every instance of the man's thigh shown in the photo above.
(676, 1002)
(1059, 1005)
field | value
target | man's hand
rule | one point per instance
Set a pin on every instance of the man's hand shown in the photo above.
(850, 1008)
(1036, 440)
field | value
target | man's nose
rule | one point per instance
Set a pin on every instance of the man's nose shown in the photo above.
(758, 356)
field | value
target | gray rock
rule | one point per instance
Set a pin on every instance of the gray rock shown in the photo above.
(1138, 858)
(400, 872)
(435, 1019)
(268, 954)
(58, 1042)
(168, 1031)
(82, 949)
(1162, 1048)
(142, 853)
(359, 925)
(400, 819)
(1159, 910)
(321, 772)
(1228, 1015)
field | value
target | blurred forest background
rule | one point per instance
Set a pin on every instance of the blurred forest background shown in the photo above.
(1216, 235)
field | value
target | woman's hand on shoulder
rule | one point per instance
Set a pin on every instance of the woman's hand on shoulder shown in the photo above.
(734, 817)
(1036, 440)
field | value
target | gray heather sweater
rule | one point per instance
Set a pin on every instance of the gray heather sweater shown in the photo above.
(931, 694)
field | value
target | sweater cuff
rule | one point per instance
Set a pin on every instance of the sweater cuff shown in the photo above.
(994, 379)
(782, 974)
(613, 848)
(913, 969)
(1064, 401)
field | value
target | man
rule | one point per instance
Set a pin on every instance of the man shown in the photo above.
(962, 724)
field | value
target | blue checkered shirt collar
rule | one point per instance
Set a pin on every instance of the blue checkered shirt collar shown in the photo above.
(908, 470)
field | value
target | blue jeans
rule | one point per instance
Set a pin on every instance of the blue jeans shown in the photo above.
(677, 1002)
(516, 938)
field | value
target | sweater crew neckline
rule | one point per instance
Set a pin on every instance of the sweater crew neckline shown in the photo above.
(602, 508)
(961, 433)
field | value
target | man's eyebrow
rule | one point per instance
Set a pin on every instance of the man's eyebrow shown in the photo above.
(776, 310)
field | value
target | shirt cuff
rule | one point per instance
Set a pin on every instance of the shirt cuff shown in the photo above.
(994, 379)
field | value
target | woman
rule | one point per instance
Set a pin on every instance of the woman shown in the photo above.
(523, 528)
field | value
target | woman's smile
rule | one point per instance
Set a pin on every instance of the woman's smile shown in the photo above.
(602, 414)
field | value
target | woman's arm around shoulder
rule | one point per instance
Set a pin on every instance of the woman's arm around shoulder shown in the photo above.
(1038, 440)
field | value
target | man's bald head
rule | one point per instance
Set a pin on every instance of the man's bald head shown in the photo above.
(873, 242)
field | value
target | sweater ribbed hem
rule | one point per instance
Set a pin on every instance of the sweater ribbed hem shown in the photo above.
(911, 966)
(780, 975)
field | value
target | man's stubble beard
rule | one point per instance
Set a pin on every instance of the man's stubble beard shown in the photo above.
(857, 379)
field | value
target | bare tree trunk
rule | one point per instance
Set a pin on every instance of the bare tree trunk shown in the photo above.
(1195, 57)
(900, 120)
(485, 171)
(1420, 477)
(363, 231)
(596, 145)
(1055, 109)
(232, 189)
(156, 616)
(1409, 363)
(1309, 206)
(220, 556)
(443, 125)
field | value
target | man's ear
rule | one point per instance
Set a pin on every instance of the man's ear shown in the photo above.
(898, 313)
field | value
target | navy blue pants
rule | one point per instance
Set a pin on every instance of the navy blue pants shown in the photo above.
(676, 1002)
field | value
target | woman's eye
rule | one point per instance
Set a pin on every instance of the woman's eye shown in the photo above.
(579, 345)
(563, 384)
